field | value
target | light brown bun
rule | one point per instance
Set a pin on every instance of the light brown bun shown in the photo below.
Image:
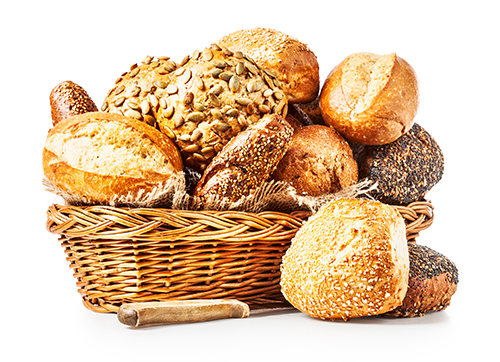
(349, 260)
(247, 160)
(103, 158)
(370, 99)
(202, 102)
(318, 161)
(294, 64)
(433, 281)
(69, 99)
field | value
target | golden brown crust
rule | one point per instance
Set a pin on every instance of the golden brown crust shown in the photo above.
(69, 99)
(374, 106)
(350, 259)
(294, 64)
(318, 161)
(102, 158)
(247, 160)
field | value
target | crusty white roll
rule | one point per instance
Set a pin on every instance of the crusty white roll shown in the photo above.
(104, 158)
(370, 99)
(294, 64)
(349, 260)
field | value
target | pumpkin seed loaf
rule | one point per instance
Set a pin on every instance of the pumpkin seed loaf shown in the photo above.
(69, 99)
(203, 102)
(139, 93)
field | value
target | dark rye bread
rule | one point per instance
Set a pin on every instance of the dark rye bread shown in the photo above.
(405, 169)
(432, 282)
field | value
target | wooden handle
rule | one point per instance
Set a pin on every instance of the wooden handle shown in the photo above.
(181, 311)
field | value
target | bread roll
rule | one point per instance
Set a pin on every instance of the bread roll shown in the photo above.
(247, 160)
(103, 158)
(69, 99)
(202, 103)
(318, 161)
(349, 260)
(370, 99)
(294, 64)
(432, 282)
(404, 170)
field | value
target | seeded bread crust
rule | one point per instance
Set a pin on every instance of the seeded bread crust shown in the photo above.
(247, 160)
(318, 161)
(370, 99)
(313, 111)
(294, 64)
(432, 282)
(69, 99)
(349, 260)
(103, 158)
(203, 102)
(405, 170)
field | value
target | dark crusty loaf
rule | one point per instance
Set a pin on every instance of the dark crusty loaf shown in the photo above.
(69, 99)
(405, 169)
(318, 161)
(432, 282)
(247, 160)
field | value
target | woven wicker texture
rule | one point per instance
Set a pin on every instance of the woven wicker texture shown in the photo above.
(121, 255)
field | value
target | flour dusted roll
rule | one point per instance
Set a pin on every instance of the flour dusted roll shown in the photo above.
(294, 64)
(350, 259)
(103, 158)
(370, 99)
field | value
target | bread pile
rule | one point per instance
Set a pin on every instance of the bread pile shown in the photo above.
(249, 110)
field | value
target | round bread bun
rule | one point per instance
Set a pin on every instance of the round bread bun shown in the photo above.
(405, 170)
(349, 260)
(318, 161)
(104, 158)
(294, 64)
(202, 102)
(432, 282)
(370, 99)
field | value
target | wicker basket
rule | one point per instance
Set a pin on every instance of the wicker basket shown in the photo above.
(121, 255)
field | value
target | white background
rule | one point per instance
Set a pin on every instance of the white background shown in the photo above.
(452, 45)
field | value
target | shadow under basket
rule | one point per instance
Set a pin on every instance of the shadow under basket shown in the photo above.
(124, 255)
